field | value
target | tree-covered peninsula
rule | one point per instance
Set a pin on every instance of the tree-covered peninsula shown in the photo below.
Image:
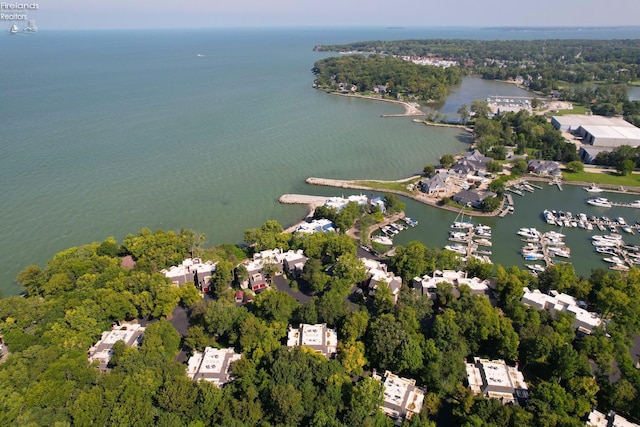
(385, 76)
(542, 63)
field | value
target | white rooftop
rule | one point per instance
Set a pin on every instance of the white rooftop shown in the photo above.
(495, 379)
(401, 397)
(185, 271)
(456, 278)
(212, 365)
(576, 120)
(129, 333)
(584, 320)
(318, 337)
(598, 419)
(340, 202)
(316, 225)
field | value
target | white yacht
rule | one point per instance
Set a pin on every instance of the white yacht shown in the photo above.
(529, 232)
(593, 188)
(600, 202)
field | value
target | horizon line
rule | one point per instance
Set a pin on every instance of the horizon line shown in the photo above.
(342, 26)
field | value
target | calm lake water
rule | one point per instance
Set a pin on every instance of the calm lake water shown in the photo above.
(434, 224)
(104, 133)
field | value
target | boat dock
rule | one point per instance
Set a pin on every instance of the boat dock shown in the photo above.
(543, 246)
(626, 205)
(537, 187)
(556, 182)
(507, 206)
(468, 238)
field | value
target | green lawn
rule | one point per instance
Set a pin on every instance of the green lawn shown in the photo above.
(397, 186)
(577, 109)
(611, 178)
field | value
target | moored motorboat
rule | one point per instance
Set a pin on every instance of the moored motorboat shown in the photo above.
(600, 202)
(457, 248)
(383, 240)
(528, 232)
(535, 267)
(593, 188)
(619, 267)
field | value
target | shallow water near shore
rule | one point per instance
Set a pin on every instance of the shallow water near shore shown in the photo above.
(104, 133)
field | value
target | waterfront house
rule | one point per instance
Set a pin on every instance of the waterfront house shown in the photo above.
(434, 185)
(472, 197)
(474, 163)
(319, 338)
(213, 365)
(401, 399)
(102, 351)
(377, 202)
(495, 379)
(338, 203)
(544, 167)
(322, 225)
(381, 89)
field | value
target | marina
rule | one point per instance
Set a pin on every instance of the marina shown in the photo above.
(468, 238)
(543, 247)
(528, 212)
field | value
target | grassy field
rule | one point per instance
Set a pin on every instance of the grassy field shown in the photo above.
(397, 186)
(577, 109)
(610, 178)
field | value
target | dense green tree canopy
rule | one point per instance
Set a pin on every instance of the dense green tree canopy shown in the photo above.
(47, 379)
(401, 78)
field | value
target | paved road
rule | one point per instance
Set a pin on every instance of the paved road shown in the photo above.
(281, 284)
(180, 320)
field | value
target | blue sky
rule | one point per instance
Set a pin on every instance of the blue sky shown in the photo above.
(87, 14)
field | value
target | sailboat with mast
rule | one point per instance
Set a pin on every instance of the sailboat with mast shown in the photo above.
(460, 222)
(13, 29)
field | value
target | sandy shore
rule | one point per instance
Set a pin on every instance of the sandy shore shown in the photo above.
(410, 109)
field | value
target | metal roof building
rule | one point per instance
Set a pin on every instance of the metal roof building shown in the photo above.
(599, 130)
